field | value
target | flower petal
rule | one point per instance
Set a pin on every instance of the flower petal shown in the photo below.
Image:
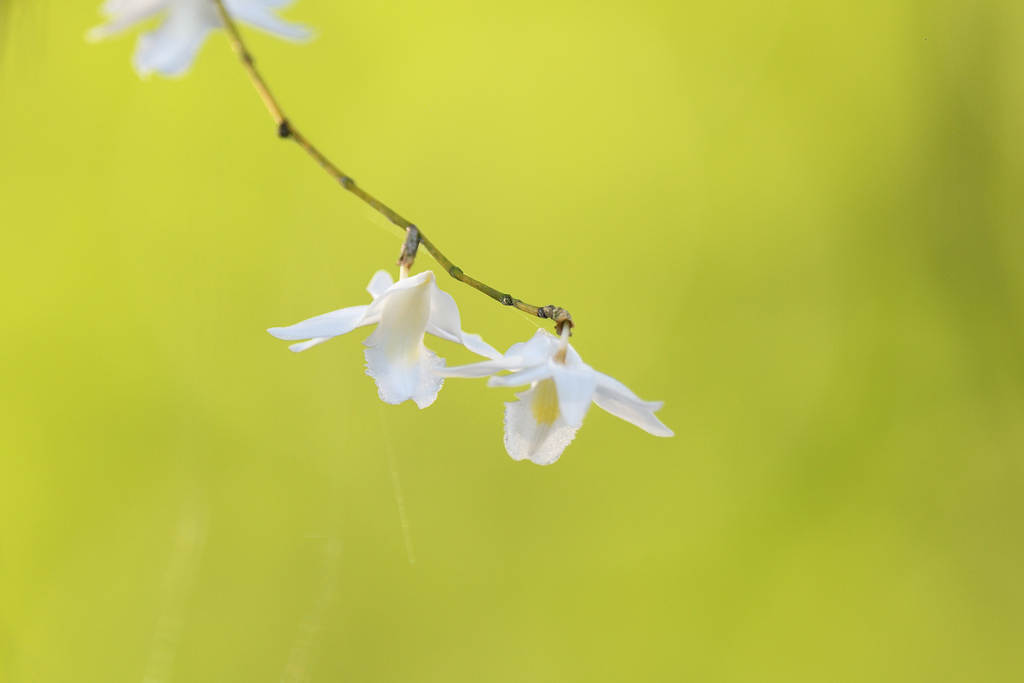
(481, 369)
(302, 346)
(396, 358)
(445, 323)
(399, 382)
(617, 399)
(532, 353)
(576, 385)
(171, 48)
(571, 357)
(401, 286)
(404, 310)
(518, 379)
(444, 316)
(379, 283)
(261, 16)
(540, 348)
(534, 429)
(122, 14)
(519, 356)
(476, 344)
(326, 325)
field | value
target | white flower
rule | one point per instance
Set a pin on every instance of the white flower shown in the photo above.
(171, 48)
(544, 420)
(396, 358)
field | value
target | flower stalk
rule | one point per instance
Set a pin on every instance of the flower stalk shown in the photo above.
(414, 236)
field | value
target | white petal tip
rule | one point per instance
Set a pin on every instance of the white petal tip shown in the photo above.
(305, 34)
(300, 33)
(96, 34)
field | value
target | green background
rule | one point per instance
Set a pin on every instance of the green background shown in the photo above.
(797, 223)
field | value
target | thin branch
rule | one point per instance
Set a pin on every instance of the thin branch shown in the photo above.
(286, 129)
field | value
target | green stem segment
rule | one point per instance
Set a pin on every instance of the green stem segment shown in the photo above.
(414, 236)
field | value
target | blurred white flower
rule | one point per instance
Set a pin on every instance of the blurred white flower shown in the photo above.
(396, 358)
(171, 47)
(544, 420)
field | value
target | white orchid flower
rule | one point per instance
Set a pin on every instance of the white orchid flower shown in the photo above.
(546, 417)
(171, 48)
(396, 358)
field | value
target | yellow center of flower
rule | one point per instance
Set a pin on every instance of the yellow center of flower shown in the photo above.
(545, 402)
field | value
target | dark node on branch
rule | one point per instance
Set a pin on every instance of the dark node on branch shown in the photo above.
(409, 247)
(284, 130)
(455, 272)
(559, 315)
(347, 182)
(507, 300)
(247, 58)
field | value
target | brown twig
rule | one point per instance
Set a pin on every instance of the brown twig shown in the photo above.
(415, 236)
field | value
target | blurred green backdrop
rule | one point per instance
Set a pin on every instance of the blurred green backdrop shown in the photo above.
(797, 223)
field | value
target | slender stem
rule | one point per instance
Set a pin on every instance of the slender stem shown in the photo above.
(285, 129)
(563, 345)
